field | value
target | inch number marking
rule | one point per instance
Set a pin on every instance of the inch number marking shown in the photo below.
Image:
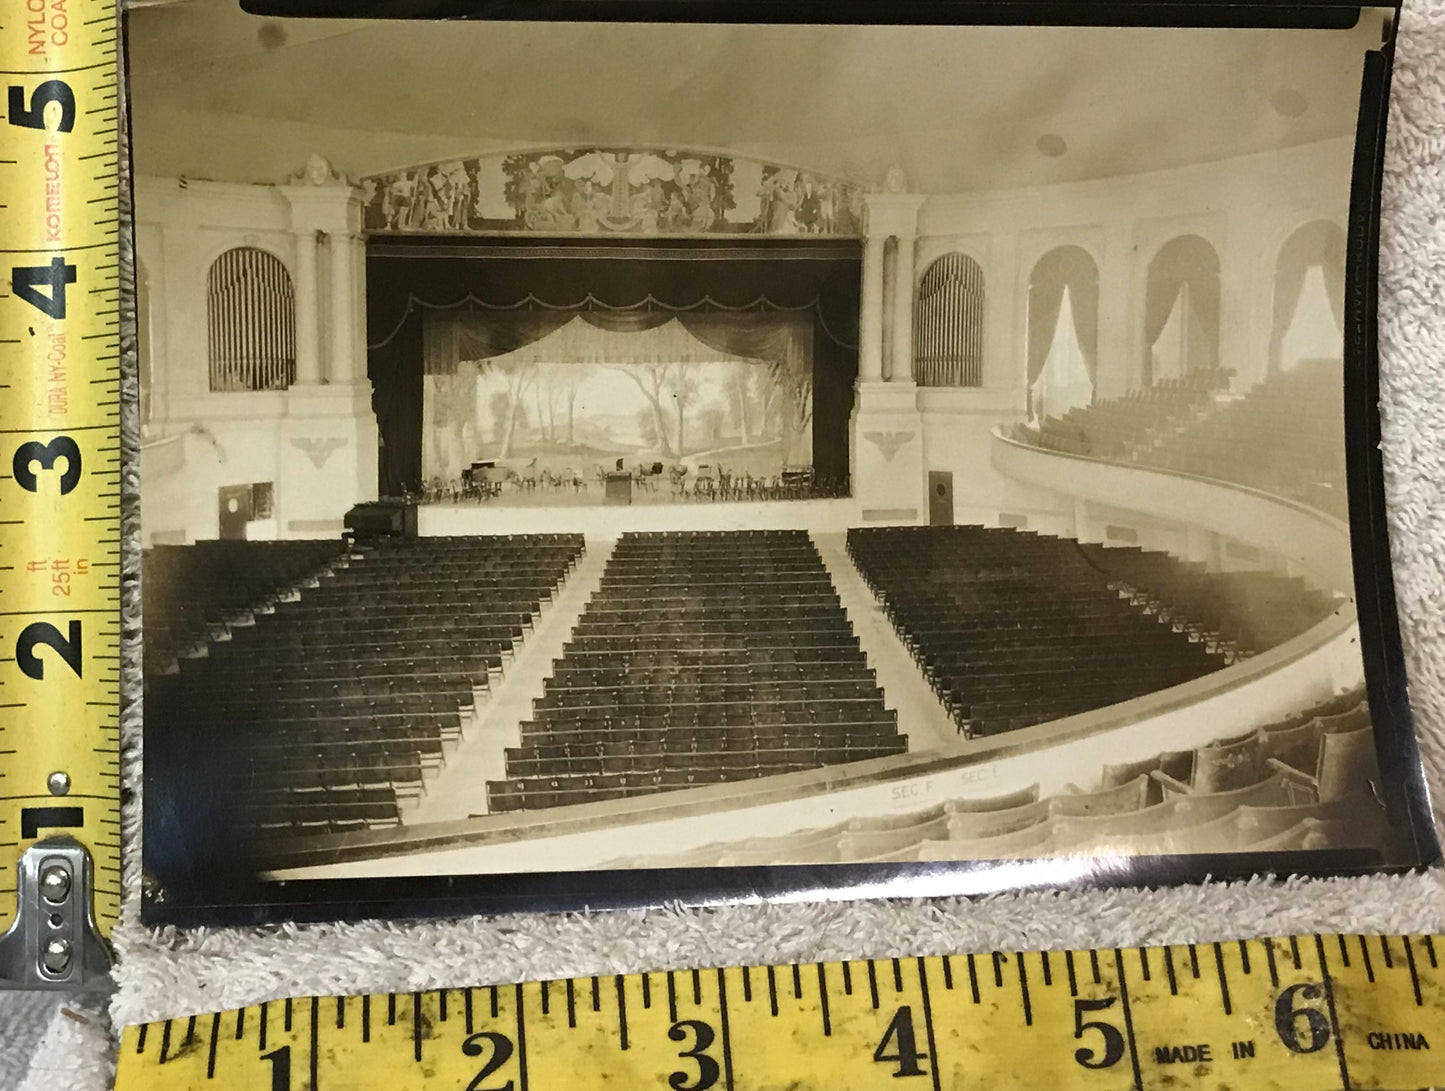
(27, 280)
(1287, 1016)
(1113, 1039)
(39, 633)
(46, 454)
(501, 1054)
(906, 1055)
(707, 1068)
(33, 116)
(280, 1068)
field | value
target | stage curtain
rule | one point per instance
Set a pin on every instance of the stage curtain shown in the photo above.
(628, 321)
(620, 286)
(451, 336)
(448, 337)
(781, 339)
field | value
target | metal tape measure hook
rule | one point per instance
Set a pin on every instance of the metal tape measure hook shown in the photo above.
(53, 942)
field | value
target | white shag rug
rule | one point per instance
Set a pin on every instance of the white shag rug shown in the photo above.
(167, 972)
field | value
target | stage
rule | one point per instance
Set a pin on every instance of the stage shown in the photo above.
(611, 521)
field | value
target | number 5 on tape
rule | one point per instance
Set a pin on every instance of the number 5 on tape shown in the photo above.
(1318, 1012)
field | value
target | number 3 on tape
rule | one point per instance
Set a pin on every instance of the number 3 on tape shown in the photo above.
(1323, 1012)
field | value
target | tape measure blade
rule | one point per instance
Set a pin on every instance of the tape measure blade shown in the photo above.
(59, 440)
(1322, 1012)
(1392, 990)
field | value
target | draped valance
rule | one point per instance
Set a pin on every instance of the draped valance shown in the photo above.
(781, 338)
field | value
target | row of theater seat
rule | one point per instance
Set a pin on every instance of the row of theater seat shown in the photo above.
(1013, 629)
(702, 658)
(1245, 612)
(329, 708)
(1305, 782)
(1285, 436)
(1115, 428)
(192, 593)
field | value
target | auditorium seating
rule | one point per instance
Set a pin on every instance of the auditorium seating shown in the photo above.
(1284, 437)
(1115, 428)
(1243, 612)
(191, 592)
(704, 657)
(331, 707)
(1013, 629)
(1322, 797)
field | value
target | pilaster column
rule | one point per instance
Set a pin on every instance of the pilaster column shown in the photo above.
(358, 302)
(1120, 314)
(343, 318)
(894, 215)
(886, 451)
(870, 314)
(903, 276)
(328, 443)
(308, 329)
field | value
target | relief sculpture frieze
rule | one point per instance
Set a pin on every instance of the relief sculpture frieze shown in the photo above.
(604, 191)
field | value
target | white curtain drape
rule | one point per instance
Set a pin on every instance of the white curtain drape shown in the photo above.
(1064, 382)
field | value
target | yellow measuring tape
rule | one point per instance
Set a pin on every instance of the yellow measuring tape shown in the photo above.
(59, 442)
(1315, 1012)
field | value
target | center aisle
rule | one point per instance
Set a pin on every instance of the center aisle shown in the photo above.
(460, 790)
(920, 715)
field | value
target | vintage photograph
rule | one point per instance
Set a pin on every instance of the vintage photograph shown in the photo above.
(595, 448)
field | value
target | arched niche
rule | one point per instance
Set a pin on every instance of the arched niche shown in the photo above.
(1063, 331)
(1181, 309)
(250, 322)
(949, 318)
(1309, 297)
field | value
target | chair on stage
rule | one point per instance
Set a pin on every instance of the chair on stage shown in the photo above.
(705, 484)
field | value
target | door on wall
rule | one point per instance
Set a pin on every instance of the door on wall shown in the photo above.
(235, 511)
(940, 498)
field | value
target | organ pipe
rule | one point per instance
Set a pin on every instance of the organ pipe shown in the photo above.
(250, 322)
(950, 323)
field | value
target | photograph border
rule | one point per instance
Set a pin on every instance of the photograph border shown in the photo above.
(227, 897)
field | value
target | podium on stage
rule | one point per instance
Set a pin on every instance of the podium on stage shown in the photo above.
(619, 488)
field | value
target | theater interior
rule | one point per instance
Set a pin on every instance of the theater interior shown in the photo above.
(571, 446)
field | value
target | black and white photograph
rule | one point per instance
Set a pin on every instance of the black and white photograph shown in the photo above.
(902, 458)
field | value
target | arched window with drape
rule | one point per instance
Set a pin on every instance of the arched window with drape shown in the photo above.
(948, 338)
(1063, 331)
(250, 322)
(1181, 310)
(1309, 296)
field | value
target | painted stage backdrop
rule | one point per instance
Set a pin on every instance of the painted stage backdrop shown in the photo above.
(597, 191)
(556, 416)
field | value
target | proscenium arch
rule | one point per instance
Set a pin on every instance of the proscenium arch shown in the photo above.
(1074, 268)
(1183, 273)
(949, 322)
(1319, 243)
(250, 321)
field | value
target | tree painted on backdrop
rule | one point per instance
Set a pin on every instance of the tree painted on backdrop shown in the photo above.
(791, 397)
(452, 432)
